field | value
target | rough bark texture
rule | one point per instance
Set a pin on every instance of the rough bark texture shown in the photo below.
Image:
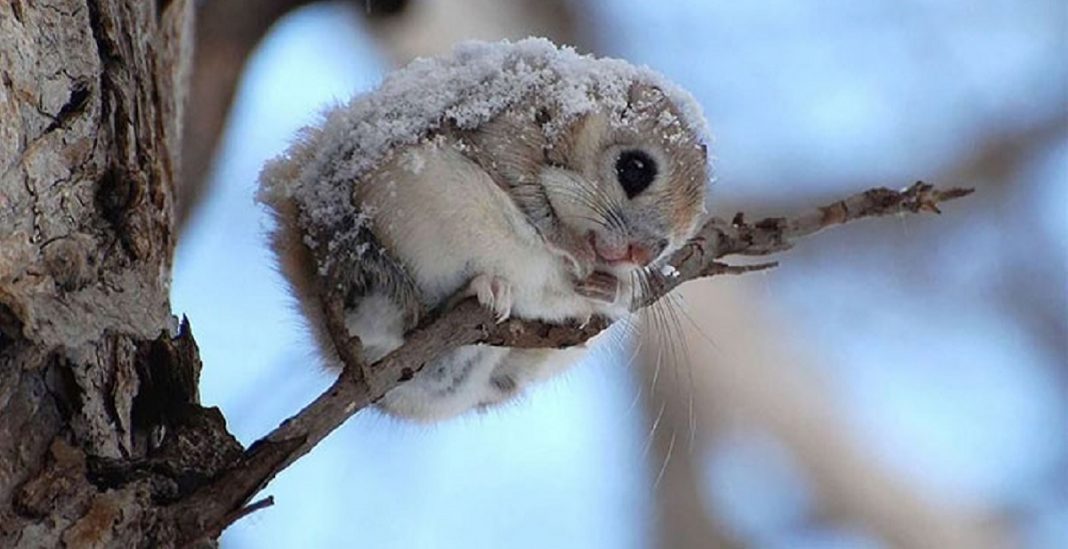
(99, 422)
(102, 440)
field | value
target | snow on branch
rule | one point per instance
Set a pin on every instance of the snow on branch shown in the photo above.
(223, 501)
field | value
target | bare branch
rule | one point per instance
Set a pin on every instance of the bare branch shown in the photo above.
(212, 508)
(227, 32)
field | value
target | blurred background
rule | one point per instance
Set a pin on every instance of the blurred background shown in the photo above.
(898, 383)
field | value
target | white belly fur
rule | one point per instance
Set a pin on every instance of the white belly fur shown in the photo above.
(446, 221)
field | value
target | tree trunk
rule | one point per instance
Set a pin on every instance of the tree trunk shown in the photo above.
(103, 442)
(100, 427)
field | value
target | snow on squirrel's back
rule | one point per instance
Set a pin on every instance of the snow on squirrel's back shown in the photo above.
(465, 88)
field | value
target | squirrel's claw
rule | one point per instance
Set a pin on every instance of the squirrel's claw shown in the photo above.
(494, 293)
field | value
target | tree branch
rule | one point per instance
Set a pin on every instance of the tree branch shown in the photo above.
(227, 32)
(212, 508)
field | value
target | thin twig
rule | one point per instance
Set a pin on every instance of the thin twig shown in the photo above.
(210, 509)
(250, 508)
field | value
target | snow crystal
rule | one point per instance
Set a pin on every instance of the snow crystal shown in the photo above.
(465, 88)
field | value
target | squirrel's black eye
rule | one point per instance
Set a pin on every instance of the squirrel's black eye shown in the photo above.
(635, 171)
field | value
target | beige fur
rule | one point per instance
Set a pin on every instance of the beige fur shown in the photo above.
(518, 212)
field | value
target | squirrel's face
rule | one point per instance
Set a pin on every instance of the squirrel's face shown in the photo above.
(632, 185)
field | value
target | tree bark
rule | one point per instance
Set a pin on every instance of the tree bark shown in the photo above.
(99, 423)
(103, 442)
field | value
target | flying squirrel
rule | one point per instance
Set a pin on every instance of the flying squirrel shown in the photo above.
(546, 183)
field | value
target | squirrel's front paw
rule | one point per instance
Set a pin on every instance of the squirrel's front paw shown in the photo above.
(600, 286)
(575, 250)
(494, 293)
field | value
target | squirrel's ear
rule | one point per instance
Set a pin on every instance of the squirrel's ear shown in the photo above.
(644, 97)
